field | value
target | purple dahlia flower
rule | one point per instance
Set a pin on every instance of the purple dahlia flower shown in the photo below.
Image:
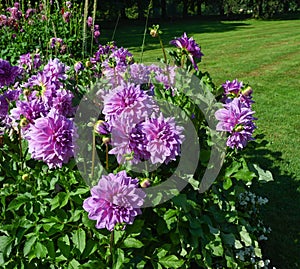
(232, 88)
(56, 70)
(236, 119)
(51, 139)
(62, 102)
(102, 127)
(3, 107)
(30, 110)
(13, 94)
(78, 66)
(116, 199)
(15, 13)
(55, 42)
(128, 141)
(188, 47)
(139, 73)
(8, 73)
(163, 139)
(236, 89)
(30, 61)
(167, 77)
(130, 99)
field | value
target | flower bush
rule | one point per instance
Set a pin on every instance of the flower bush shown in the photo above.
(122, 206)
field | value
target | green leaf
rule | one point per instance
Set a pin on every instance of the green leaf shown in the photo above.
(233, 168)
(228, 239)
(19, 201)
(91, 247)
(227, 183)
(79, 239)
(64, 245)
(50, 247)
(238, 244)
(245, 237)
(60, 200)
(79, 191)
(28, 245)
(73, 264)
(119, 258)
(40, 250)
(162, 252)
(171, 262)
(263, 175)
(6, 245)
(131, 242)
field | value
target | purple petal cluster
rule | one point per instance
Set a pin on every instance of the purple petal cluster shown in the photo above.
(29, 110)
(51, 139)
(96, 32)
(89, 21)
(116, 199)
(188, 47)
(236, 119)
(4, 105)
(56, 70)
(78, 66)
(66, 16)
(128, 141)
(8, 73)
(30, 61)
(164, 138)
(129, 99)
(55, 42)
(154, 139)
(235, 89)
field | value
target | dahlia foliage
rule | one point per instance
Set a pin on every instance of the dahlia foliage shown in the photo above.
(40, 95)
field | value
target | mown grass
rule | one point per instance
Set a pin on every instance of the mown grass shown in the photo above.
(267, 55)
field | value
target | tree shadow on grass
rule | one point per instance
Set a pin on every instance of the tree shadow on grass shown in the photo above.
(282, 212)
(129, 34)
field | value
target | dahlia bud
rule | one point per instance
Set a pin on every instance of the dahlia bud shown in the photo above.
(153, 33)
(26, 92)
(23, 122)
(247, 91)
(145, 183)
(105, 140)
(88, 64)
(25, 177)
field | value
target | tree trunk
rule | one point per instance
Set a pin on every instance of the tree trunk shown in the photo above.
(140, 9)
(199, 12)
(221, 8)
(185, 9)
(163, 4)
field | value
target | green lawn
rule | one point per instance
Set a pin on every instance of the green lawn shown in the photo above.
(265, 54)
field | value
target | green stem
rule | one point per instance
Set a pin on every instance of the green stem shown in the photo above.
(93, 24)
(165, 58)
(93, 154)
(111, 248)
(21, 150)
(114, 32)
(163, 49)
(106, 156)
(145, 31)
